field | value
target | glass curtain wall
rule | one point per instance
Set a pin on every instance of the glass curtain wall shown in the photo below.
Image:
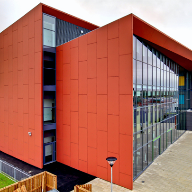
(158, 116)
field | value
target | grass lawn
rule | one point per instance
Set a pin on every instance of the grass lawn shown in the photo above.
(5, 181)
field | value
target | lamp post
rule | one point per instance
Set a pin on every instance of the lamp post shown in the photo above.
(111, 161)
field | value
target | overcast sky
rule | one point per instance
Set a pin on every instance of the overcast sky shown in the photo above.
(173, 17)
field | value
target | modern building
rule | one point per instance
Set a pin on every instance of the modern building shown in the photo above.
(76, 93)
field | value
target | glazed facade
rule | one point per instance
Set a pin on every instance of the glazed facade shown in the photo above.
(161, 96)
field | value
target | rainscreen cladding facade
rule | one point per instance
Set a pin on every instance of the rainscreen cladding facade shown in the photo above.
(86, 93)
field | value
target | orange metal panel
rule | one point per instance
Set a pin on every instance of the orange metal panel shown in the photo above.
(102, 172)
(92, 130)
(66, 160)
(74, 95)
(82, 110)
(31, 53)
(6, 124)
(126, 35)
(74, 155)
(25, 40)
(126, 181)
(6, 104)
(91, 96)
(74, 43)
(113, 30)
(113, 95)
(83, 144)
(20, 141)
(15, 97)
(126, 74)
(74, 63)
(1, 40)
(5, 49)
(92, 161)
(20, 84)
(66, 109)
(83, 77)
(31, 144)
(31, 83)
(66, 140)
(15, 53)
(59, 95)
(25, 70)
(126, 114)
(83, 166)
(38, 12)
(15, 72)
(6, 77)
(113, 134)
(59, 65)
(102, 42)
(113, 57)
(59, 123)
(38, 36)
(10, 112)
(38, 99)
(20, 30)
(66, 79)
(92, 61)
(20, 56)
(10, 35)
(25, 98)
(39, 157)
(20, 112)
(102, 76)
(83, 48)
(66, 52)
(38, 67)
(10, 85)
(38, 131)
(59, 148)
(31, 113)
(102, 148)
(25, 127)
(74, 128)
(10, 58)
(92, 37)
(31, 23)
(102, 112)
(25, 151)
(126, 157)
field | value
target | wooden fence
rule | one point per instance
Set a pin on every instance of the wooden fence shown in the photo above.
(83, 188)
(44, 181)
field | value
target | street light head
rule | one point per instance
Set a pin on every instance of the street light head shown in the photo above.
(111, 160)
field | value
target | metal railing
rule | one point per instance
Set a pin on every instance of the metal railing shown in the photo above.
(12, 172)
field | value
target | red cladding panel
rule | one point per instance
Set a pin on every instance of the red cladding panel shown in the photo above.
(74, 155)
(102, 148)
(74, 128)
(66, 109)
(20, 30)
(102, 42)
(20, 112)
(113, 57)
(59, 124)
(25, 70)
(25, 40)
(126, 181)
(31, 113)
(20, 84)
(38, 36)
(31, 23)
(66, 79)
(83, 48)
(102, 76)
(38, 67)
(66, 53)
(83, 77)
(25, 98)
(82, 111)
(74, 43)
(38, 12)
(126, 35)
(74, 63)
(10, 35)
(31, 53)
(38, 131)
(126, 74)
(31, 83)
(83, 166)
(92, 61)
(10, 58)
(113, 95)
(92, 97)
(92, 37)
(92, 161)
(25, 127)
(113, 30)
(5, 50)
(38, 99)
(126, 160)
(32, 144)
(102, 172)
(113, 134)
(92, 130)
(15, 44)
(126, 114)
(59, 65)
(83, 144)
(59, 95)
(74, 95)
(67, 141)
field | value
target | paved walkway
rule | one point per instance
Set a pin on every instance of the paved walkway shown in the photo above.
(170, 172)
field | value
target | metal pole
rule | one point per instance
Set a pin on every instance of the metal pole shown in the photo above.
(111, 179)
